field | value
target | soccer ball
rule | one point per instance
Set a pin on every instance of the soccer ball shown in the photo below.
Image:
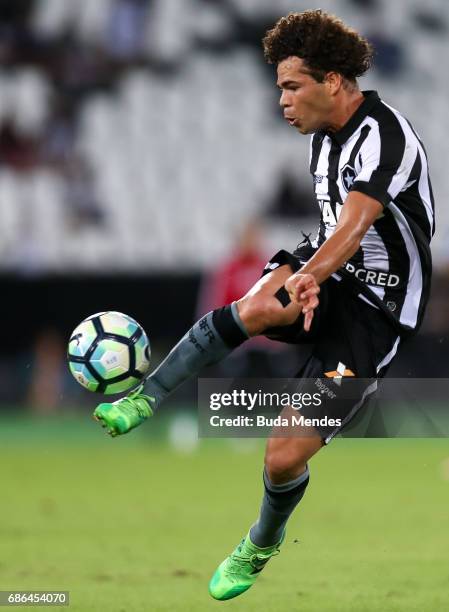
(108, 353)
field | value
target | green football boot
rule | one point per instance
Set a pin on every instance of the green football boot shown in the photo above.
(238, 572)
(125, 414)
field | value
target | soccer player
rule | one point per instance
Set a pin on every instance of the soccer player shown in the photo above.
(355, 292)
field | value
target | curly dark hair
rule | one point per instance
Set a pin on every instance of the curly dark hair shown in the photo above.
(322, 40)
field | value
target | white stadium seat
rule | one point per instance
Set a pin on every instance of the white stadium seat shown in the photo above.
(50, 17)
(31, 97)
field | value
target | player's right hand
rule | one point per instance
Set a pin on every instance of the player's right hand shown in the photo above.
(303, 290)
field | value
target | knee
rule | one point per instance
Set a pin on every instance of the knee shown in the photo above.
(282, 466)
(259, 312)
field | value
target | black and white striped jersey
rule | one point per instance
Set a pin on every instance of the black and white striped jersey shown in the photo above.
(378, 153)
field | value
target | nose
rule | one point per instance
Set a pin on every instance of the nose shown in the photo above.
(284, 99)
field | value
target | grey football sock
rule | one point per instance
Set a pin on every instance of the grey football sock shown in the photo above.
(278, 503)
(211, 339)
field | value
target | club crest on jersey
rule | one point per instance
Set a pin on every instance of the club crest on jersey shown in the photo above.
(348, 175)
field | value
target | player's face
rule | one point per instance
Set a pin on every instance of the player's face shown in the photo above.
(306, 103)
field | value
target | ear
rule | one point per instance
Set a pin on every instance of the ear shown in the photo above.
(334, 82)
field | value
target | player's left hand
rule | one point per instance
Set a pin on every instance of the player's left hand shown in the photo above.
(303, 290)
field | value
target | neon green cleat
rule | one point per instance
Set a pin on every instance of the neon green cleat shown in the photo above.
(125, 414)
(238, 572)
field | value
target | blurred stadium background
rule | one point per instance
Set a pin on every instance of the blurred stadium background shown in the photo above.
(143, 163)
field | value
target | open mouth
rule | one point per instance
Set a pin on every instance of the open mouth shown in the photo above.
(290, 120)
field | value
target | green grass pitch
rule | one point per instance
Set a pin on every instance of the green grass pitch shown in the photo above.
(133, 525)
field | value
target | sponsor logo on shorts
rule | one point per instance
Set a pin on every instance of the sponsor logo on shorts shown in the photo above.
(324, 389)
(338, 374)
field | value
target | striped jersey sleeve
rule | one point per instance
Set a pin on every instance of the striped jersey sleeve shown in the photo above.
(386, 156)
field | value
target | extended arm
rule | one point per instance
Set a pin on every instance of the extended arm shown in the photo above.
(357, 215)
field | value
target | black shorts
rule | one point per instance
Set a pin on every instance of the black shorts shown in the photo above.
(350, 339)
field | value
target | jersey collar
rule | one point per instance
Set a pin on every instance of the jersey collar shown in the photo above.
(343, 135)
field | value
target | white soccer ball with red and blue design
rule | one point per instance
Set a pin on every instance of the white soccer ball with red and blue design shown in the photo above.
(109, 352)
